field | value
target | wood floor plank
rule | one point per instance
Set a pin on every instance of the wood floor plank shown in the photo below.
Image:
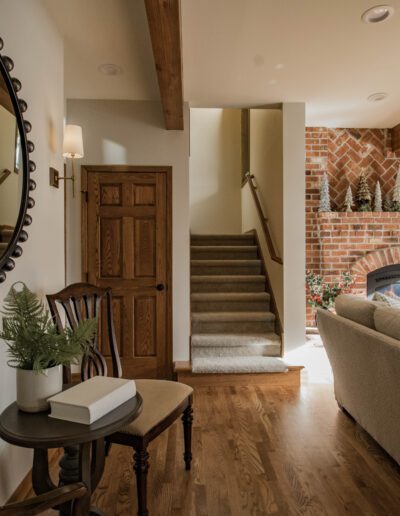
(260, 451)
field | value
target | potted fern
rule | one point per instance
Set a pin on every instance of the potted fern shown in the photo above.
(36, 349)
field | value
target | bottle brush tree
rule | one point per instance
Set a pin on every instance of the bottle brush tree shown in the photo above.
(348, 201)
(363, 195)
(387, 203)
(378, 197)
(396, 194)
(324, 198)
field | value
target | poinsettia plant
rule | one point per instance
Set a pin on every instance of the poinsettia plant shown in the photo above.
(321, 294)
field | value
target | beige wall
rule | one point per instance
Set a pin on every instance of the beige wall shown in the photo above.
(132, 132)
(294, 224)
(277, 161)
(36, 48)
(215, 171)
(266, 164)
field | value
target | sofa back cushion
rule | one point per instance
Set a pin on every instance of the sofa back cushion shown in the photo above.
(387, 321)
(357, 309)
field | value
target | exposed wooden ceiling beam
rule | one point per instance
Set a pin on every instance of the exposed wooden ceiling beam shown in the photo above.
(164, 20)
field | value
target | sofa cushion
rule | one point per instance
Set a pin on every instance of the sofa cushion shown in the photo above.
(387, 321)
(357, 309)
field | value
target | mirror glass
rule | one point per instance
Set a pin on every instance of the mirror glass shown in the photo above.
(11, 168)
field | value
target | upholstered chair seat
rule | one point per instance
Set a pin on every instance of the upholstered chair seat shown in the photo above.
(164, 397)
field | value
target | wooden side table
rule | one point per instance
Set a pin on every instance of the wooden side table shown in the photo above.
(84, 448)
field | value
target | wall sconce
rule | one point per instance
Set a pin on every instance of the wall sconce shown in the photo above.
(72, 148)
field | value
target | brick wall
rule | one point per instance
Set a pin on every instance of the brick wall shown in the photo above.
(337, 242)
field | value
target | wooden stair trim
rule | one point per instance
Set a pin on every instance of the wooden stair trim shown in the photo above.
(183, 371)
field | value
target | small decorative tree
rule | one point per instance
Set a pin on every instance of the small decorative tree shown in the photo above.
(363, 195)
(324, 198)
(396, 194)
(378, 197)
(387, 203)
(348, 201)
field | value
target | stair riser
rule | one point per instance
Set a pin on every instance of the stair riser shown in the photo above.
(233, 327)
(237, 351)
(230, 306)
(251, 286)
(234, 240)
(224, 255)
(228, 270)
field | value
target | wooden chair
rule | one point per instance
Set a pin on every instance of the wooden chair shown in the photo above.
(46, 501)
(163, 401)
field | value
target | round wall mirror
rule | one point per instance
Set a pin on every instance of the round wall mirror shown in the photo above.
(15, 168)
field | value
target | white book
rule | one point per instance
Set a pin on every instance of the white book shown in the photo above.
(90, 400)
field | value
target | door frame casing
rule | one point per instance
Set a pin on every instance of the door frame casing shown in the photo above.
(167, 170)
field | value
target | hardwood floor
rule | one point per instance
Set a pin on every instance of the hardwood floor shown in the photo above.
(260, 450)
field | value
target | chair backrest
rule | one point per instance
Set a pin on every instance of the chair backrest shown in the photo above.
(82, 301)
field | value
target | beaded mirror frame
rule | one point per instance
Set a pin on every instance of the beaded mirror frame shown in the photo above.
(14, 249)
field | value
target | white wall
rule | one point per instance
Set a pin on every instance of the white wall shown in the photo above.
(31, 40)
(132, 132)
(294, 224)
(215, 171)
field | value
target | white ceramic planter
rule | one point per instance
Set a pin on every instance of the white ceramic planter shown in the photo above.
(33, 388)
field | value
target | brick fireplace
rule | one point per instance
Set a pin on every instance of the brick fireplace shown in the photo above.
(340, 241)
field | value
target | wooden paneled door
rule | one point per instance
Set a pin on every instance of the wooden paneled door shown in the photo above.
(126, 228)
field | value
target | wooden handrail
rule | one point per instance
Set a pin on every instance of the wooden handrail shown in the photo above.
(264, 221)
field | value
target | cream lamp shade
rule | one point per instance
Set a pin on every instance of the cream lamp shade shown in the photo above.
(73, 142)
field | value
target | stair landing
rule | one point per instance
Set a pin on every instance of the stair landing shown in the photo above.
(184, 373)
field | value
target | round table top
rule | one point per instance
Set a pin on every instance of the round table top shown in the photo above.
(38, 430)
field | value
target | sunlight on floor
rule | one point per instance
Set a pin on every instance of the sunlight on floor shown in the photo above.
(314, 359)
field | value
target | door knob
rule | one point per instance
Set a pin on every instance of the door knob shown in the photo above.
(160, 287)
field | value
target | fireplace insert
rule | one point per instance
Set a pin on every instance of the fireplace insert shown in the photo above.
(385, 280)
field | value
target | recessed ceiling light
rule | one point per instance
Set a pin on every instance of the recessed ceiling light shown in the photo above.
(377, 14)
(377, 97)
(110, 69)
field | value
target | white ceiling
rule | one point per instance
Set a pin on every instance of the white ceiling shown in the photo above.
(101, 32)
(240, 53)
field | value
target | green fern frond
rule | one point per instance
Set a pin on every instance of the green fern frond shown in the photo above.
(32, 338)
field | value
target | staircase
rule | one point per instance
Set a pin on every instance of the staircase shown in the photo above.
(233, 329)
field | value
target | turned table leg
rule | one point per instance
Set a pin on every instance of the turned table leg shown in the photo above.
(84, 463)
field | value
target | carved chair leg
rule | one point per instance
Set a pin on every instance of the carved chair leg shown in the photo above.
(187, 419)
(141, 467)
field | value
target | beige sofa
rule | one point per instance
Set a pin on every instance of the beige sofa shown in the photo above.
(363, 346)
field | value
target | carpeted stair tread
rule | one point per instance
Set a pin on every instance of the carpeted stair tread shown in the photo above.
(230, 296)
(233, 340)
(230, 302)
(233, 317)
(236, 248)
(222, 240)
(226, 278)
(228, 263)
(231, 283)
(231, 267)
(212, 252)
(220, 365)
